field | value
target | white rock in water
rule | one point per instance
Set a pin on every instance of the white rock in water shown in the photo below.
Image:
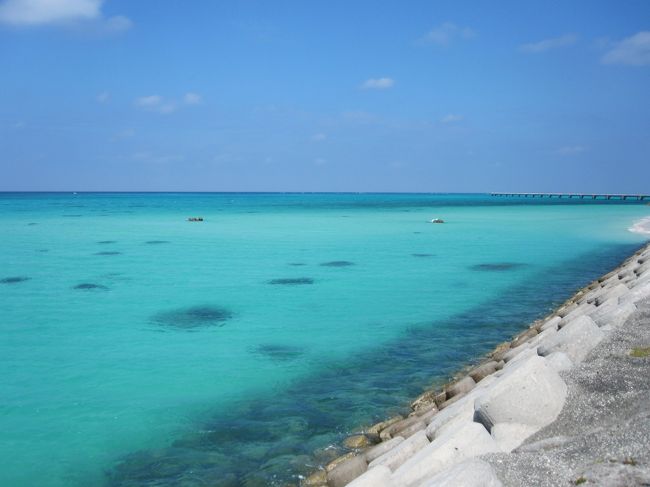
(402, 452)
(471, 473)
(530, 393)
(576, 339)
(375, 477)
(467, 441)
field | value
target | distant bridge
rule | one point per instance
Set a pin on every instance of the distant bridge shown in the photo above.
(581, 196)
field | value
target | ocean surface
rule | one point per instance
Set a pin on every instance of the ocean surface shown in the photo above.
(140, 349)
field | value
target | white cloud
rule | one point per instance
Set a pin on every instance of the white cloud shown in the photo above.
(26, 13)
(156, 158)
(192, 98)
(155, 103)
(570, 150)
(451, 118)
(319, 161)
(125, 134)
(378, 83)
(631, 51)
(36, 12)
(444, 34)
(318, 137)
(548, 44)
(103, 97)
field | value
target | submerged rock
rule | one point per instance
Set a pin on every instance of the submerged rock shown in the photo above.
(292, 281)
(193, 317)
(500, 266)
(90, 286)
(113, 252)
(337, 263)
(107, 242)
(280, 353)
(156, 242)
(297, 264)
(422, 255)
(14, 279)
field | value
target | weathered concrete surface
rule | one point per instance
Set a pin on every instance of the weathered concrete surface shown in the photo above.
(602, 434)
(471, 473)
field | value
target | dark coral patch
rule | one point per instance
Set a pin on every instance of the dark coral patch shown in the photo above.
(280, 353)
(422, 255)
(500, 266)
(89, 286)
(156, 242)
(193, 317)
(338, 263)
(103, 242)
(111, 252)
(292, 281)
(14, 279)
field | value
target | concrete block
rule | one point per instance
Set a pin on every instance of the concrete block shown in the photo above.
(615, 292)
(346, 472)
(509, 436)
(402, 452)
(551, 323)
(576, 339)
(467, 441)
(378, 450)
(470, 473)
(463, 386)
(483, 370)
(530, 393)
(379, 476)
(559, 361)
(636, 294)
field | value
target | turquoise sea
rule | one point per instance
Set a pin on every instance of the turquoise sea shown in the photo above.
(140, 349)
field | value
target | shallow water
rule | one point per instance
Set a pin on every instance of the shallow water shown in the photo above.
(142, 349)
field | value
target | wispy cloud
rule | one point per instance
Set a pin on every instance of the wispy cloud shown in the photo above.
(29, 13)
(631, 51)
(318, 137)
(548, 44)
(570, 150)
(156, 158)
(446, 33)
(319, 161)
(103, 97)
(155, 103)
(192, 98)
(451, 118)
(378, 83)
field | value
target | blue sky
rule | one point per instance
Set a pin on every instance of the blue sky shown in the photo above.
(325, 95)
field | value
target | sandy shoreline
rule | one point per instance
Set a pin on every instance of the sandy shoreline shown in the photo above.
(484, 410)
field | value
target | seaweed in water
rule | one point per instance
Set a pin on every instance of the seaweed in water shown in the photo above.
(292, 281)
(89, 286)
(337, 263)
(13, 280)
(32, 224)
(422, 255)
(297, 264)
(193, 317)
(107, 241)
(156, 242)
(501, 266)
(108, 253)
(279, 353)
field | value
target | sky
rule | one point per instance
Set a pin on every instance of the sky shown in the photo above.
(325, 95)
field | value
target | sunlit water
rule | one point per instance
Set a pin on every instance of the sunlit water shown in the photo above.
(137, 348)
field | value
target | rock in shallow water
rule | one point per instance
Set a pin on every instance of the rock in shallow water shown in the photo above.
(292, 281)
(193, 317)
(13, 280)
(337, 263)
(280, 353)
(90, 286)
(500, 266)
(108, 253)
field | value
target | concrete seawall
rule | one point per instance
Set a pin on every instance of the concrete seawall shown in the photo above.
(493, 409)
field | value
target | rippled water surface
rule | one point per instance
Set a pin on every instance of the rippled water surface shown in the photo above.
(140, 349)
